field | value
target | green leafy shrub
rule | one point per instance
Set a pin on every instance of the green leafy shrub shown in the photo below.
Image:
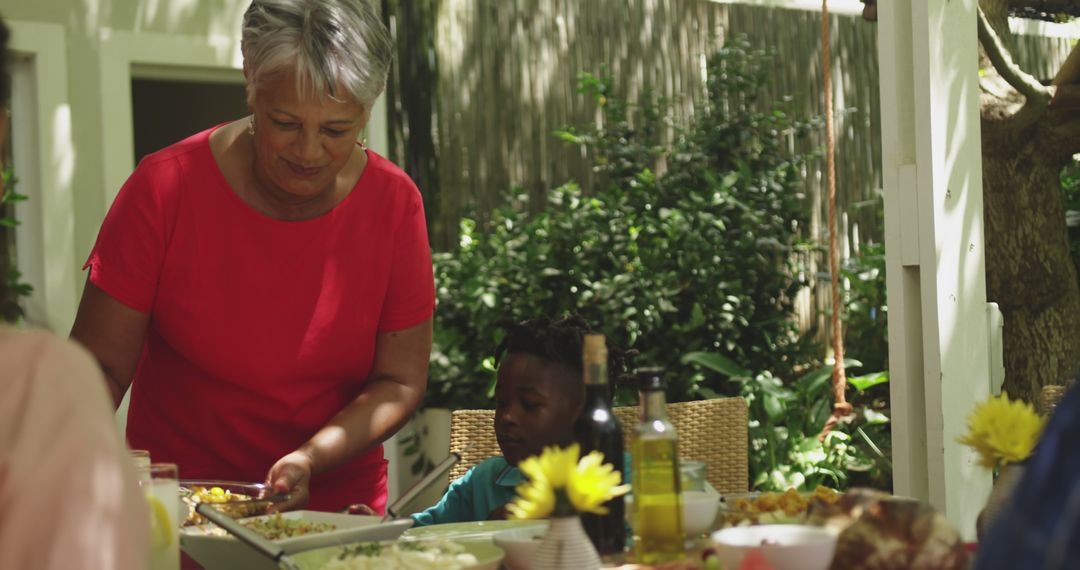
(865, 313)
(787, 416)
(786, 419)
(680, 251)
(12, 288)
(676, 250)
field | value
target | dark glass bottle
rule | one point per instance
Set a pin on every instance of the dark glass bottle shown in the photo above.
(598, 429)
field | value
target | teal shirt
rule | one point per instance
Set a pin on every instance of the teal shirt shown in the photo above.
(484, 488)
(489, 485)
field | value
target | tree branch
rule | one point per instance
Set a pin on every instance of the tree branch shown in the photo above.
(1028, 86)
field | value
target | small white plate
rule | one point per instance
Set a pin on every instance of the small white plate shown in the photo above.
(488, 557)
(468, 531)
(208, 547)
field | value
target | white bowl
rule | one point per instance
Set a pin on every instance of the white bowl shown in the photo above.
(785, 546)
(699, 511)
(213, 550)
(520, 546)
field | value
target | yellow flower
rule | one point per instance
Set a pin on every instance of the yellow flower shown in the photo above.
(557, 465)
(560, 484)
(594, 483)
(1002, 431)
(535, 500)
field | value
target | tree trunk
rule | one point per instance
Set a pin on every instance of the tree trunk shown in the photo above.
(411, 98)
(1029, 272)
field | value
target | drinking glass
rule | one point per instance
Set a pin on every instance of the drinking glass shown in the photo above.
(693, 475)
(161, 487)
(141, 459)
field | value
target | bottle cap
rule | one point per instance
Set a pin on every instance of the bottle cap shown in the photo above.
(650, 379)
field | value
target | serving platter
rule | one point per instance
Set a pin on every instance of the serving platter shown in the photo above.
(213, 548)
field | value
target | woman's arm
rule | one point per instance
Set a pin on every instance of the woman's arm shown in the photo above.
(390, 395)
(114, 334)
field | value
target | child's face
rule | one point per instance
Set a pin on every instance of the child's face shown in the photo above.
(535, 405)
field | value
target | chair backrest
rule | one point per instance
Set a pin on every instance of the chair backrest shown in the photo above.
(714, 431)
(478, 428)
(1050, 395)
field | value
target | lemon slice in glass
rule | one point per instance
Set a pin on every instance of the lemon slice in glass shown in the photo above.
(160, 523)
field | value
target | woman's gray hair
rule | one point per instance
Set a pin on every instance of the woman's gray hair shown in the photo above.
(326, 42)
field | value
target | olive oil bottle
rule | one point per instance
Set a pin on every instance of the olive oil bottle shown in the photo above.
(657, 516)
(598, 429)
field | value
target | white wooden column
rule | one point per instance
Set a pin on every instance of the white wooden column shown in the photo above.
(938, 335)
(43, 154)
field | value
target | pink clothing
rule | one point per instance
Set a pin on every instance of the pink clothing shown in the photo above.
(68, 492)
(262, 330)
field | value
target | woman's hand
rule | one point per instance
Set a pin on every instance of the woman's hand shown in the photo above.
(388, 397)
(360, 509)
(291, 474)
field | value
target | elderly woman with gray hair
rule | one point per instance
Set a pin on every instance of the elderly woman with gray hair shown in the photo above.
(265, 286)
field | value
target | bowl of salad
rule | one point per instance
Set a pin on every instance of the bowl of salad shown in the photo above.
(295, 532)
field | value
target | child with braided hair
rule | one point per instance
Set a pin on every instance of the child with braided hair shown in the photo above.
(538, 396)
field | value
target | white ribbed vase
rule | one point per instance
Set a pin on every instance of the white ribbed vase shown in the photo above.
(565, 546)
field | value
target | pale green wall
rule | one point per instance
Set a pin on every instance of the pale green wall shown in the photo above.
(87, 24)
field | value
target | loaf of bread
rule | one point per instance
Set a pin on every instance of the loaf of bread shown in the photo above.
(883, 532)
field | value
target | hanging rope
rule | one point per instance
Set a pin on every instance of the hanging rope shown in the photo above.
(841, 407)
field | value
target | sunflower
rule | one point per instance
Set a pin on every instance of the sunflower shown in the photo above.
(562, 483)
(1002, 431)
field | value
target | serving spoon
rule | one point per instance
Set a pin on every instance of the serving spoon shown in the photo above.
(393, 511)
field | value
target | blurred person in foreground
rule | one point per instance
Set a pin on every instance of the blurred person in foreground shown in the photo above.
(265, 286)
(1040, 525)
(68, 493)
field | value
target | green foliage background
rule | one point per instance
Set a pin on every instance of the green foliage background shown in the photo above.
(687, 254)
(696, 258)
(12, 287)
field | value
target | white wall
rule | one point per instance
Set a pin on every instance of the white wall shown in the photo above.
(79, 54)
(43, 152)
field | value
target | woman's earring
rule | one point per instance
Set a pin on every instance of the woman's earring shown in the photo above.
(251, 125)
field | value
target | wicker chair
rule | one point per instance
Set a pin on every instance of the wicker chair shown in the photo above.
(713, 431)
(1050, 395)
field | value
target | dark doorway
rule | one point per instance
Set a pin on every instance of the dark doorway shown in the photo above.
(166, 111)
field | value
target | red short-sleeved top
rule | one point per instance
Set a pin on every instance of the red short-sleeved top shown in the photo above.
(261, 330)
